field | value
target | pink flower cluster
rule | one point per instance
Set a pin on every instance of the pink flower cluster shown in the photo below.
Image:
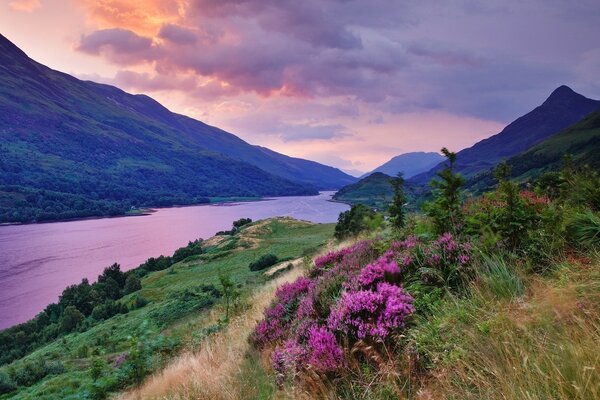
(385, 268)
(372, 313)
(352, 256)
(279, 315)
(352, 294)
(325, 354)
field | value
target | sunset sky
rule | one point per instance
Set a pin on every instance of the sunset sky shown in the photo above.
(349, 83)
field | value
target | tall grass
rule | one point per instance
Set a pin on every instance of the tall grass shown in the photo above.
(500, 278)
(213, 371)
(584, 230)
(543, 347)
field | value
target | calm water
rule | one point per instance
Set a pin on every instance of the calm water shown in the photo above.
(38, 261)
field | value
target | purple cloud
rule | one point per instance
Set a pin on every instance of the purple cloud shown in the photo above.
(177, 34)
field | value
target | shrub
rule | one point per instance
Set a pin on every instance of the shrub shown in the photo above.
(353, 221)
(193, 248)
(29, 373)
(241, 222)
(140, 301)
(132, 284)
(7, 385)
(445, 209)
(72, 318)
(372, 313)
(265, 261)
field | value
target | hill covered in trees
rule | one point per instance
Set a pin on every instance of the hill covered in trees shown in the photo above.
(72, 148)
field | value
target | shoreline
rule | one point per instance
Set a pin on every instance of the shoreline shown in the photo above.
(146, 211)
(143, 212)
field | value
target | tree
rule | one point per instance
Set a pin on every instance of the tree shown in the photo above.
(229, 292)
(132, 284)
(241, 222)
(71, 319)
(353, 221)
(396, 210)
(114, 272)
(445, 210)
(97, 366)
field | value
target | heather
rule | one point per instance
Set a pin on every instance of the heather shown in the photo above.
(352, 297)
(494, 296)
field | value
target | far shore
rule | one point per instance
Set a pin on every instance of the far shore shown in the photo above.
(141, 212)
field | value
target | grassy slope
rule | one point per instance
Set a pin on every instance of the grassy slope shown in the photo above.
(284, 237)
(517, 338)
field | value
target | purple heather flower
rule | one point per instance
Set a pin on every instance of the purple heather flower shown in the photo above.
(325, 355)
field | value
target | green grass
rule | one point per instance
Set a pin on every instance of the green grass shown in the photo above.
(284, 237)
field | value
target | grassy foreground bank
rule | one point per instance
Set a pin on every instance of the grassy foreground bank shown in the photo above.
(185, 306)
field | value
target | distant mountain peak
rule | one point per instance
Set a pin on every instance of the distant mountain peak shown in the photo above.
(563, 95)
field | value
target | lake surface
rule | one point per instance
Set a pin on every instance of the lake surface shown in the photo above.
(38, 261)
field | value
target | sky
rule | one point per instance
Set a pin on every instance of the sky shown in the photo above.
(349, 83)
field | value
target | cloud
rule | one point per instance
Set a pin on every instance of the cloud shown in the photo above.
(177, 34)
(319, 73)
(119, 45)
(25, 5)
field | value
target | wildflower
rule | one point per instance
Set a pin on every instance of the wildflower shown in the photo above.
(325, 353)
(372, 313)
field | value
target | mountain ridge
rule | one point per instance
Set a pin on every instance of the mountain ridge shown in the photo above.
(410, 164)
(66, 141)
(561, 109)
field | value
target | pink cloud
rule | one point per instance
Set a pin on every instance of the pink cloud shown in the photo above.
(25, 5)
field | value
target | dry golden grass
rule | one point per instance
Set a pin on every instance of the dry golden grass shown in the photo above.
(212, 372)
(547, 347)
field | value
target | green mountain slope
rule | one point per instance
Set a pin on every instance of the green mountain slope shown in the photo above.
(561, 109)
(373, 191)
(70, 148)
(581, 140)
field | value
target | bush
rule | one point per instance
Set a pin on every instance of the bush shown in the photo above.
(140, 301)
(192, 249)
(29, 373)
(7, 385)
(72, 318)
(241, 222)
(353, 221)
(265, 261)
(132, 284)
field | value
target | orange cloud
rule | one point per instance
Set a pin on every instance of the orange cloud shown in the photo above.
(25, 5)
(144, 17)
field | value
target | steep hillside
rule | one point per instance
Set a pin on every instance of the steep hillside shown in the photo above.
(410, 164)
(564, 107)
(581, 141)
(71, 148)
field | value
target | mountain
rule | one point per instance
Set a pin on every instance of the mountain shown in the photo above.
(563, 108)
(410, 164)
(374, 191)
(580, 140)
(72, 148)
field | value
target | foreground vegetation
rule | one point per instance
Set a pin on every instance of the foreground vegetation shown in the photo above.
(496, 297)
(175, 305)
